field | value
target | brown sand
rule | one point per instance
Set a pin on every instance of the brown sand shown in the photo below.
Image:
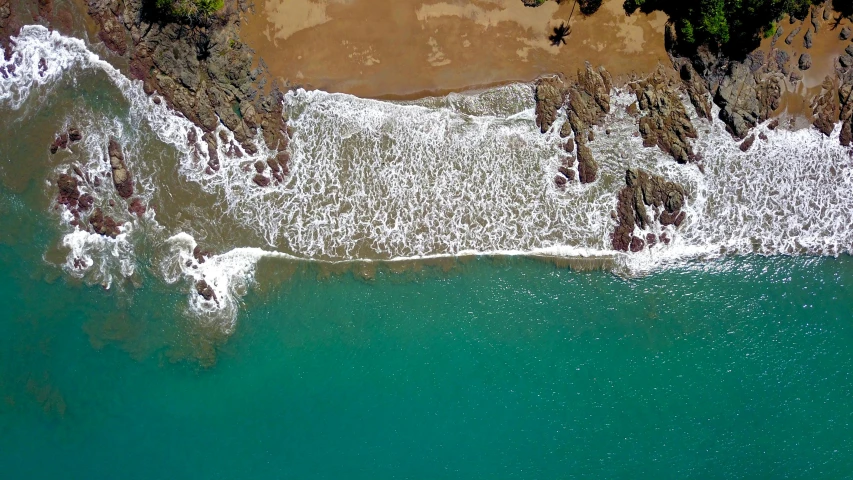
(411, 48)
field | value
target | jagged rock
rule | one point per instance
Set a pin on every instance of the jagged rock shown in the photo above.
(849, 50)
(205, 291)
(587, 166)
(560, 181)
(747, 144)
(845, 97)
(260, 166)
(74, 134)
(569, 146)
(137, 207)
(122, 179)
(808, 40)
(805, 61)
(550, 95)
(103, 224)
(817, 14)
(748, 94)
(666, 123)
(777, 35)
(845, 60)
(644, 190)
(200, 254)
(791, 36)
(283, 160)
(845, 33)
(69, 193)
(697, 90)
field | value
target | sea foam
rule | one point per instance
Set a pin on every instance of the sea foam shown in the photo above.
(448, 176)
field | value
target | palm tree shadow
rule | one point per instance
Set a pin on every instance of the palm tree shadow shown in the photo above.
(560, 34)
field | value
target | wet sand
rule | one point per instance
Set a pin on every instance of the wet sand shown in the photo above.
(411, 48)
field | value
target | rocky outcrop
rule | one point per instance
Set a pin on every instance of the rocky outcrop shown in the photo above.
(697, 89)
(834, 104)
(550, 94)
(69, 192)
(666, 123)
(205, 291)
(748, 94)
(103, 224)
(588, 104)
(122, 179)
(201, 69)
(644, 200)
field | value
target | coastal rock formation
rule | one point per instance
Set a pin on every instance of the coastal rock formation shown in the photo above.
(69, 193)
(835, 103)
(666, 123)
(749, 93)
(200, 68)
(697, 90)
(550, 94)
(644, 200)
(103, 224)
(588, 103)
(122, 179)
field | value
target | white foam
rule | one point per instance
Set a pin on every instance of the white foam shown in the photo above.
(466, 174)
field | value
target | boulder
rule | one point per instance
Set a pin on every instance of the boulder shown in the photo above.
(790, 38)
(845, 33)
(137, 207)
(122, 179)
(261, 180)
(69, 193)
(747, 144)
(808, 40)
(587, 166)
(205, 291)
(805, 62)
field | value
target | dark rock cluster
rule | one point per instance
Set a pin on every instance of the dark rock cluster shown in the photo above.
(104, 224)
(666, 123)
(646, 199)
(72, 135)
(201, 69)
(205, 291)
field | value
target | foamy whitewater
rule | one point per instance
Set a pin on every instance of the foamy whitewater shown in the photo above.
(449, 176)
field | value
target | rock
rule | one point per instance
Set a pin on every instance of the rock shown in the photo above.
(748, 94)
(633, 109)
(549, 95)
(808, 40)
(644, 190)
(587, 166)
(61, 141)
(777, 35)
(805, 61)
(283, 160)
(790, 38)
(69, 193)
(103, 225)
(205, 291)
(697, 90)
(260, 166)
(122, 179)
(74, 134)
(85, 202)
(774, 124)
(137, 207)
(200, 254)
(826, 106)
(666, 123)
(560, 180)
(849, 50)
(261, 180)
(636, 245)
(569, 146)
(845, 60)
(747, 144)
(566, 172)
(845, 33)
(651, 239)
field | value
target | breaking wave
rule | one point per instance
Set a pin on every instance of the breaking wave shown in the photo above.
(446, 176)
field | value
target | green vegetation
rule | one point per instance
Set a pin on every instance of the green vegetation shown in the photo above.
(731, 25)
(187, 9)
